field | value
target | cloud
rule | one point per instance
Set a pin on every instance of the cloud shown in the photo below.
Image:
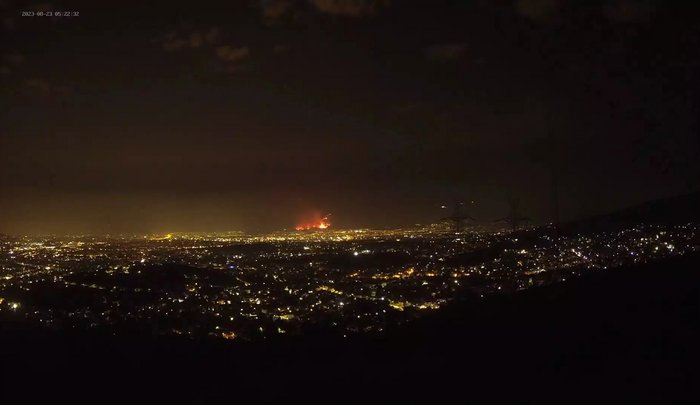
(231, 54)
(196, 39)
(279, 48)
(38, 86)
(630, 11)
(207, 40)
(15, 59)
(445, 52)
(175, 44)
(41, 87)
(212, 35)
(272, 10)
(538, 10)
(353, 8)
(286, 11)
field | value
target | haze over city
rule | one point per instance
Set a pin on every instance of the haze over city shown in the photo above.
(157, 117)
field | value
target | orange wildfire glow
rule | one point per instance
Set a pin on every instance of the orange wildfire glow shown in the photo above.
(317, 222)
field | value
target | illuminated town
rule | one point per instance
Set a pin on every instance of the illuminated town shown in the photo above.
(247, 287)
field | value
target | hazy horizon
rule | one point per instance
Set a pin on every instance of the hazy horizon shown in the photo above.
(146, 118)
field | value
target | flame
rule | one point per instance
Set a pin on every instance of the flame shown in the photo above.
(317, 222)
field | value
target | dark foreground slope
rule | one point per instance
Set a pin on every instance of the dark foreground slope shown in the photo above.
(630, 334)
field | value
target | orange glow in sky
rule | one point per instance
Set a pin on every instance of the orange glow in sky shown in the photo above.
(317, 222)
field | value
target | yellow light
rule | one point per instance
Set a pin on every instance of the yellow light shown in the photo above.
(397, 305)
(329, 289)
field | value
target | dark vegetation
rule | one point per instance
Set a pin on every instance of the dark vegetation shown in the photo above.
(623, 335)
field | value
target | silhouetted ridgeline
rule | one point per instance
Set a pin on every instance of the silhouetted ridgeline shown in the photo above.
(670, 211)
(620, 335)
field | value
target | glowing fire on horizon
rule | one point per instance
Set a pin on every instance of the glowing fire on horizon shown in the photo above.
(317, 222)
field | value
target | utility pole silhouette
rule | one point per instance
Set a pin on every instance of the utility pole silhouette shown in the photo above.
(554, 185)
(514, 217)
(458, 217)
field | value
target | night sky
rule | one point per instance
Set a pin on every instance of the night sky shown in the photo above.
(249, 115)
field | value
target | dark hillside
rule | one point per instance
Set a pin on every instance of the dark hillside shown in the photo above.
(630, 334)
(677, 210)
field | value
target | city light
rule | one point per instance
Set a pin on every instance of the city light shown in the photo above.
(285, 280)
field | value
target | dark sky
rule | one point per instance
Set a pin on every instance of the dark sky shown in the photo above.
(196, 115)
